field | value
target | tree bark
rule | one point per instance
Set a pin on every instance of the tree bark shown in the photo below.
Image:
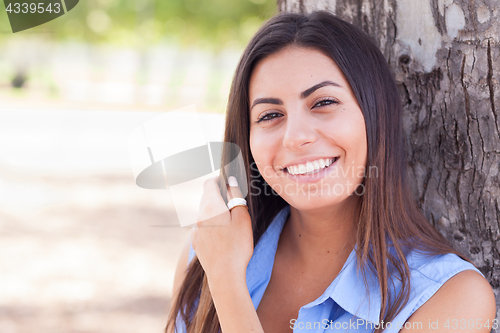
(445, 55)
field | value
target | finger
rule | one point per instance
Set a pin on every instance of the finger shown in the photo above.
(234, 189)
(211, 205)
(211, 190)
(211, 183)
(229, 196)
(235, 192)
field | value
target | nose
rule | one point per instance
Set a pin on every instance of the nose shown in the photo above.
(299, 132)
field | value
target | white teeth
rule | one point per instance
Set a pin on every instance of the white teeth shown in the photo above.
(310, 166)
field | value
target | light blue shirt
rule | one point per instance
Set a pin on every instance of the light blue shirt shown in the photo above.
(347, 304)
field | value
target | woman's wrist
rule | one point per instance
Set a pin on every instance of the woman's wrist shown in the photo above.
(234, 305)
(224, 280)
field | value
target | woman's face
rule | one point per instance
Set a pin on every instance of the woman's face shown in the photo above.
(307, 132)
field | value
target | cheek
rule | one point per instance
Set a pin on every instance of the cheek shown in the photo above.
(254, 146)
(257, 149)
(362, 141)
(352, 137)
(262, 148)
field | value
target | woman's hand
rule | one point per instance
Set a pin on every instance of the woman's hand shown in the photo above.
(223, 240)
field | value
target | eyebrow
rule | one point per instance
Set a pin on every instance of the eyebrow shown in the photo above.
(304, 94)
(309, 91)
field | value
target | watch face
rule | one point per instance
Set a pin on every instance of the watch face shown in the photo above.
(171, 152)
(26, 14)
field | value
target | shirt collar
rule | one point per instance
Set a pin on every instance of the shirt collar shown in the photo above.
(348, 289)
(261, 264)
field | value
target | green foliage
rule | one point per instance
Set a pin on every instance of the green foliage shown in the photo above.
(143, 22)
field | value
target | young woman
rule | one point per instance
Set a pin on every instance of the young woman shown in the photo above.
(332, 237)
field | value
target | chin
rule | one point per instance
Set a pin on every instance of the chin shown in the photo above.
(313, 201)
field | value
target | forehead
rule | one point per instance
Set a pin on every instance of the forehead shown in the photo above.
(294, 69)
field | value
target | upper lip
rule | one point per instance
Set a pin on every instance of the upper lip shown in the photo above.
(307, 159)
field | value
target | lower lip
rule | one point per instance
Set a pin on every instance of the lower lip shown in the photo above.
(312, 177)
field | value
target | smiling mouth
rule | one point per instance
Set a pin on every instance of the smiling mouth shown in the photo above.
(310, 167)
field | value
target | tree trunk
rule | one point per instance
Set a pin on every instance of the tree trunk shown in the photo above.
(445, 55)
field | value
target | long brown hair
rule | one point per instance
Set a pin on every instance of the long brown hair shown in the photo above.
(388, 211)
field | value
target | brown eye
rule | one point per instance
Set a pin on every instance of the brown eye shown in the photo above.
(268, 116)
(325, 102)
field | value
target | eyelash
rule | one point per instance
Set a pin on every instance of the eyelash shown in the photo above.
(331, 100)
(263, 118)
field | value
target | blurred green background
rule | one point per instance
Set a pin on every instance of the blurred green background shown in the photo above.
(62, 60)
(83, 249)
(139, 23)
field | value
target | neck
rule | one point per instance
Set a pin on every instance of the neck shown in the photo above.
(322, 236)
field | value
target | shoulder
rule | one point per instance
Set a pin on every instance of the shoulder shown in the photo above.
(430, 272)
(448, 291)
(464, 302)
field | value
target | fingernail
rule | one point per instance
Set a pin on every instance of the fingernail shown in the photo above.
(232, 181)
